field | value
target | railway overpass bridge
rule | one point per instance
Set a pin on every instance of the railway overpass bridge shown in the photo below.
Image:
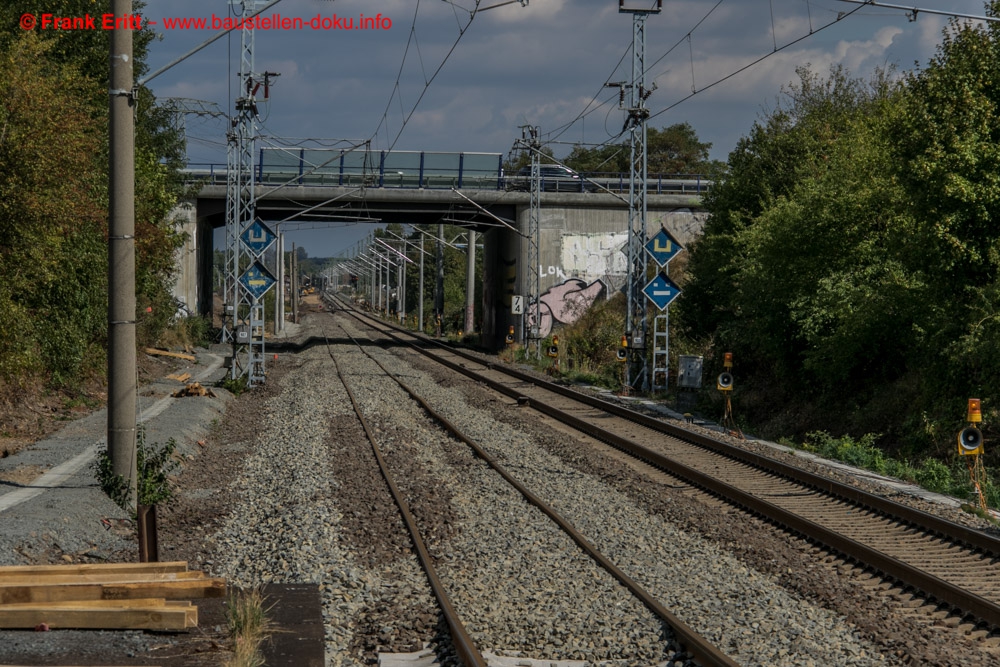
(583, 223)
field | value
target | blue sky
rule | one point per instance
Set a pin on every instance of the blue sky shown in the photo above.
(542, 64)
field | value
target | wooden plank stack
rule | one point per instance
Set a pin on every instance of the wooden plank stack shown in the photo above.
(167, 353)
(115, 596)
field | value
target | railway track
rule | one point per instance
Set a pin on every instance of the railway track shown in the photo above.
(952, 570)
(688, 646)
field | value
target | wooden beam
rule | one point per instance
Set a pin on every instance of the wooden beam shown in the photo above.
(101, 578)
(58, 592)
(90, 604)
(162, 617)
(112, 596)
(86, 568)
(164, 353)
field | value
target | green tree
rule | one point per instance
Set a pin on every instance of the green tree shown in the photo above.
(454, 276)
(517, 161)
(53, 218)
(611, 158)
(671, 150)
(86, 50)
(852, 261)
(947, 156)
(800, 272)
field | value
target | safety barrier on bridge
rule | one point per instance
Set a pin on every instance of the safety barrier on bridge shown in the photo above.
(395, 169)
(423, 170)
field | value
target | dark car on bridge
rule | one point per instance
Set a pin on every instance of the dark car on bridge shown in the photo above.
(554, 178)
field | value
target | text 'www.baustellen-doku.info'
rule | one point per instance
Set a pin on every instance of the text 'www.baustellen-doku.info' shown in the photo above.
(138, 22)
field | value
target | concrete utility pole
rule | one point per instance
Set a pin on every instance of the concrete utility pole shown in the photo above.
(279, 309)
(470, 285)
(377, 304)
(121, 256)
(401, 289)
(388, 289)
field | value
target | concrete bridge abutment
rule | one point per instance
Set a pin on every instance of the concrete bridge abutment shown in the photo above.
(581, 260)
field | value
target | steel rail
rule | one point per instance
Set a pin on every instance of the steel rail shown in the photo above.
(970, 537)
(697, 645)
(464, 646)
(932, 586)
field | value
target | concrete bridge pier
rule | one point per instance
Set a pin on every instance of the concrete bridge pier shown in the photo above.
(193, 260)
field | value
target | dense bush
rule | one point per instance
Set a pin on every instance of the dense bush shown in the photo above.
(54, 203)
(851, 261)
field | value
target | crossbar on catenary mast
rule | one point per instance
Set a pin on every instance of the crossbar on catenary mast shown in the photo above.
(917, 10)
(210, 40)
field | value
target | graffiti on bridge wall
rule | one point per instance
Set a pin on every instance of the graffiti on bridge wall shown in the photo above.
(565, 303)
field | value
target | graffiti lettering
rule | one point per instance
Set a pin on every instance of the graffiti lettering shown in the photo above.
(551, 271)
(565, 303)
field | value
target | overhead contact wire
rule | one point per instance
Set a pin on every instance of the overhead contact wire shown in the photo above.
(756, 61)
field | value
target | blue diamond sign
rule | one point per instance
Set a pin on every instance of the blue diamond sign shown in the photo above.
(663, 247)
(257, 280)
(661, 290)
(257, 237)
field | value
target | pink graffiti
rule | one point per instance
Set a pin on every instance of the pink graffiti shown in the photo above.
(565, 303)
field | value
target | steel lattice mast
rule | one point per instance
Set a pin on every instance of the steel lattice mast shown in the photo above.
(636, 324)
(532, 280)
(246, 276)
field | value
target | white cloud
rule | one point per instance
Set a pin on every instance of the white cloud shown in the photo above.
(534, 11)
(539, 64)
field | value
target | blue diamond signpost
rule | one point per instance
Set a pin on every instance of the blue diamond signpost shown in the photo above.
(253, 283)
(662, 248)
(257, 280)
(661, 290)
(257, 237)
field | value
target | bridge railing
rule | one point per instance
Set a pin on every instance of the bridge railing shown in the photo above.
(659, 184)
(424, 170)
(395, 169)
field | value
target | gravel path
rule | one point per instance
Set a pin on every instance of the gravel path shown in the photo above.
(761, 596)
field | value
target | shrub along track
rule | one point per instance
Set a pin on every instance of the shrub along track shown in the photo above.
(947, 571)
(674, 634)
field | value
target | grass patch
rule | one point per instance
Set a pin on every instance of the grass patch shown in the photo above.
(249, 627)
(187, 333)
(949, 478)
(235, 387)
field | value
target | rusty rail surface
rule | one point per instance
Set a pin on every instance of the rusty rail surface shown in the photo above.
(706, 653)
(464, 646)
(977, 542)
